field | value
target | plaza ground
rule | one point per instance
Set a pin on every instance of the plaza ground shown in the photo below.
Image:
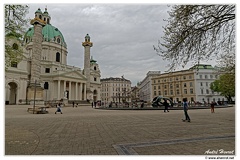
(87, 131)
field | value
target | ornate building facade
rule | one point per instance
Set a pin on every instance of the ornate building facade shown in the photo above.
(116, 90)
(45, 67)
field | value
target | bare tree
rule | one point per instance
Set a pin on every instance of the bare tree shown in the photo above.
(197, 32)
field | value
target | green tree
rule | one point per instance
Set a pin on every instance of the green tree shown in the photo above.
(15, 24)
(197, 32)
(225, 85)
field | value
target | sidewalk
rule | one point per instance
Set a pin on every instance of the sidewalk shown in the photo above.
(87, 131)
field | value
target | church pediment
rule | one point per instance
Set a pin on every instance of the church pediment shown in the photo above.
(73, 74)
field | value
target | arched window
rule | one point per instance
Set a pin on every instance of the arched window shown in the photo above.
(95, 68)
(44, 19)
(47, 20)
(58, 40)
(40, 16)
(57, 57)
(15, 46)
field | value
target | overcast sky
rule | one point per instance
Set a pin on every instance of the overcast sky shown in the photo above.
(123, 35)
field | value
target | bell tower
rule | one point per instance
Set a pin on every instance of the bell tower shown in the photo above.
(87, 44)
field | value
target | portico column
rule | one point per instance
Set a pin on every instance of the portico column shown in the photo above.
(76, 91)
(80, 91)
(64, 88)
(70, 86)
(85, 91)
(58, 90)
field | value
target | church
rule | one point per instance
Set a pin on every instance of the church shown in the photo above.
(43, 74)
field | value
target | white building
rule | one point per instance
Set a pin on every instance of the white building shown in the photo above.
(145, 86)
(57, 79)
(204, 75)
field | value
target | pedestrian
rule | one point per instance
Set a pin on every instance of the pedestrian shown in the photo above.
(185, 109)
(92, 104)
(58, 108)
(76, 104)
(166, 105)
(73, 104)
(95, 104)
(212, 106)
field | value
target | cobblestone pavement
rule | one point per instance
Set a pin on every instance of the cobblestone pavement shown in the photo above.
(87, 131)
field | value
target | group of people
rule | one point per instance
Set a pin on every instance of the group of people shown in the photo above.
(185, 108)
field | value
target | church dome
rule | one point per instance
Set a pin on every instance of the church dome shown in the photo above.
(50, 34)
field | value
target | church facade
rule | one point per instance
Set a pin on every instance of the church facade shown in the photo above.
(45, 67)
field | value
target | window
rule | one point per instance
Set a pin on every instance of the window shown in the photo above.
(159, 87)
(191, 84)
(177, 85)
(200, 76)
(176, 78)
(177, 91)
(165, 92)
(44, 19)
(159, 92)
(201, 84)
(165, 86)
(184, 77)
(206, 83)
(207, 91)
(206, 77)
(190, 77)
(154, 81)
(154, 87)
(47, 70)
(95, 79)
(40, 16)
(191, 91)
(201, 91)
(15, 46)
(211, 76)
(185, 91)
(184, 84)
(171, 92)
(14, 64)
(58, 40)
(95, 68)
(155, 93)
(46, 85)
(57, 57)
(171, 86)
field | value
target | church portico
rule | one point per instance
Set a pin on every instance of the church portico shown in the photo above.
(69, 89)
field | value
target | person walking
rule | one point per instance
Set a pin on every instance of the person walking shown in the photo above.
(185, 109)
(212, 106)
(73, 104)
(166, 105)
(58, 108)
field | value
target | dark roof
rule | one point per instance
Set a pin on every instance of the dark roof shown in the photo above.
(114, 79)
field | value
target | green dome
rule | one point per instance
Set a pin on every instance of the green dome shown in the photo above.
(49, 33)
(38, 11)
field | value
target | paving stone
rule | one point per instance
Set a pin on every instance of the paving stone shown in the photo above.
(87, 131)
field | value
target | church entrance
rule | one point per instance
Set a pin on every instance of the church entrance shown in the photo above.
(12, 93)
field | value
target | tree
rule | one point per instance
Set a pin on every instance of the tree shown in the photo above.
(15, 23)
(197, 32)
(225, 85)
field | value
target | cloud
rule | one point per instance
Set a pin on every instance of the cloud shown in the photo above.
(123, 35)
